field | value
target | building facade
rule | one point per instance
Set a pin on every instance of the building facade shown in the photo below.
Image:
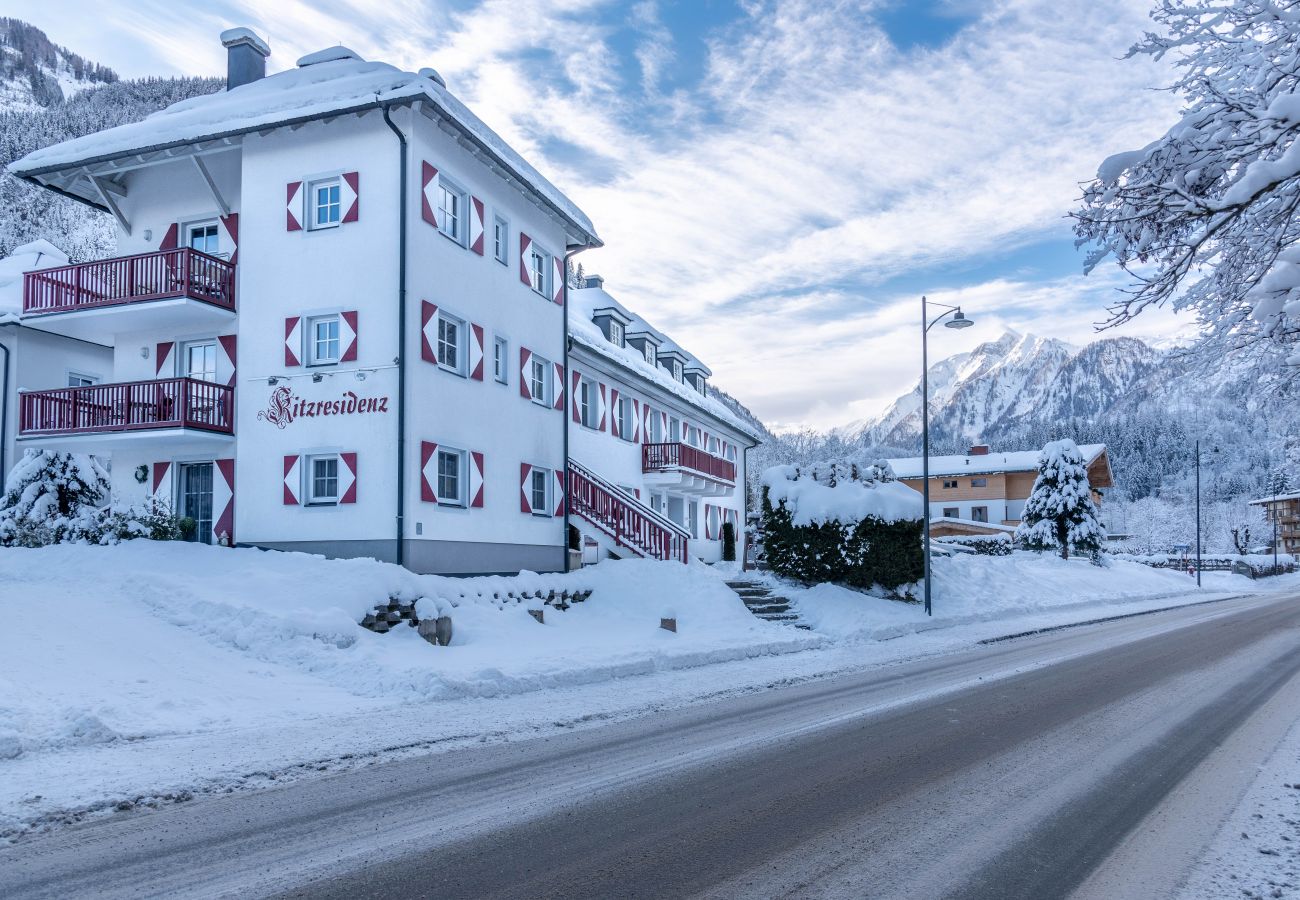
(1282, 511)
(337, 319)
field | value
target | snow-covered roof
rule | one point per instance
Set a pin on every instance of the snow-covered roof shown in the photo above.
(584, 302)
(983, 464)
(1277, 498)
(953, 520)
(39, 254)
(333, 83)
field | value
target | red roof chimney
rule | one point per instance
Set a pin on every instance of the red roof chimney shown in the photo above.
(979, 450)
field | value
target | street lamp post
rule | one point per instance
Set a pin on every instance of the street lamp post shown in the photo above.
(1198, 512)
(958, 320)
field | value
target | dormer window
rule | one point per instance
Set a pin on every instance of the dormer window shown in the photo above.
(651, 356)
(616, 333)
(677, 370)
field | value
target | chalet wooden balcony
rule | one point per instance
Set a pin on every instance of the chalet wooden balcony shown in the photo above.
(136, 406)
(688, 464)
(168, 288)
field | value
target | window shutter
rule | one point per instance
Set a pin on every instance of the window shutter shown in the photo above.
(475, 479)
(429, 193)
(600, 408)
(348, 335)
(428, 332)
(350, 197)
(161, 483)
(171, 240)
(577, 398)
(293, 206)
(292, 340)
(615, 426)
(557, 280)
(559, 386)
(476, 225)
(525, 495)
(223, 499)
(162, 358)
(708, 522)
(292, 481)
(525, 244)
(476, 352)
(525, 377)
(559, 492)
(226, 345)
(636, 420)
(428, 472)
(230, 235)
(348, 478)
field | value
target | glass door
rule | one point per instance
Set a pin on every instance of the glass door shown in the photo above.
(196, 499)
(200, 360)
(203, 236)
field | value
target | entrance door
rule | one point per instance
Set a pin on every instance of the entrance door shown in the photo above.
(196, 499)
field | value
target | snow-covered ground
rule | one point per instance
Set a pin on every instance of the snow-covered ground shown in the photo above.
(147, 672)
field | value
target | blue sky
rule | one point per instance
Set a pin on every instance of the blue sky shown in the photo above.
(777, 181)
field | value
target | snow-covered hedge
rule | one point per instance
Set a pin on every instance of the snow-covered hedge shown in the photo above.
(1257, 563)
(860, 528)
(983, 544)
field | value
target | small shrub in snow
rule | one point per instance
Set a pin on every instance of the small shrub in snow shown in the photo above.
(728, 542)
(856, 527)
(1059, 514)
(152, 519)
(52, 498)
(983, 544)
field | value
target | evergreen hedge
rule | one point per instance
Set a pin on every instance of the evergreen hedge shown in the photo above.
(728, 542)
(858, 554)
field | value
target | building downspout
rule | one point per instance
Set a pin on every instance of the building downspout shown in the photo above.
(401, 342)
(564, 413)
(4, 419)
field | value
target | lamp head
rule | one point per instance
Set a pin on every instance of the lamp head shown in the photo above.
(958, 320)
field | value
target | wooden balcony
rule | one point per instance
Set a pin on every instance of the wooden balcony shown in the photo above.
(168, 403)
(679, 457)
(162, 275)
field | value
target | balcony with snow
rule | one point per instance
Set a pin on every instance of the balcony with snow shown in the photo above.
(687, 469)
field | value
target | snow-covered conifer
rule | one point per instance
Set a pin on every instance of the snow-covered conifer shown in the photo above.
(1060, 513)
(52, 497)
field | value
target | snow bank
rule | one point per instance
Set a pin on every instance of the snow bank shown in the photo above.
(813, 502)
(144, 639)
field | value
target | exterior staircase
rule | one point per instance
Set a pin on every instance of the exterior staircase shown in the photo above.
(630, 524)
(760, 601)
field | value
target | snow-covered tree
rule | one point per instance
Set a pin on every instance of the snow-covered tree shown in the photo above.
(1205, 216)
(1060, 514)
(51, 498)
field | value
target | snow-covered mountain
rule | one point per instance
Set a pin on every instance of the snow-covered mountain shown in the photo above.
(36, 73)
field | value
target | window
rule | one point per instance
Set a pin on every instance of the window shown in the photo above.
(587, 403)
(626, 424)
(979, 513)
(324, 203)
(949, 483)
(539, 490)
(449, 336)
(656, 428)
(203, 237)
(199, 360)
(674, 430)
(616, 333)
(651, 356)
(76, 379)
(324, 336)
(451, 484)
(451, 211)
(539, 382)
(500, 239)
(677, 370)
(323, 489)
(537, 266)
(979, 482)
(501, 352)
(951, 512)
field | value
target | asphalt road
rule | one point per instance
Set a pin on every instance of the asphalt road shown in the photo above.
(1035, 767)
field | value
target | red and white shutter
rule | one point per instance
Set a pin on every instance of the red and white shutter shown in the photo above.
(292, 341)
(525, 495)
(577, 396)
(476, 352)
(429, 193)
(557, 280)
(230, 235)
(559, 492)
(428, 472)
(171, 238)
(475, 479)
(226, 349)
(348, 335)
(292, 480)
(663, 424)
(646, 413)
(476, 225)
(559, 387)
(615, 426)
(525, 244)
(293, 206)
(525, 381)
(428, 332)
(162, 485)
(636, 421)
(163, 360)
(348, 478)
(223, 499)
(601, 408)
(350, 196)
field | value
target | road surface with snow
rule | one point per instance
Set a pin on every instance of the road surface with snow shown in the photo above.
(1019, 768)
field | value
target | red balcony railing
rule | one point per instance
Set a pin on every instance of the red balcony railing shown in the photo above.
(129, 406)
(166, 274)
(629, 522)
(659, 457)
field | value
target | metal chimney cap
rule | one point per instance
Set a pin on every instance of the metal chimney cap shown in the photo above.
(233, 37)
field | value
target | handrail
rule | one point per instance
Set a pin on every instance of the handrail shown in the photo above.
(631, 523)
(676, 455)
(160, 275)
(129, 406)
